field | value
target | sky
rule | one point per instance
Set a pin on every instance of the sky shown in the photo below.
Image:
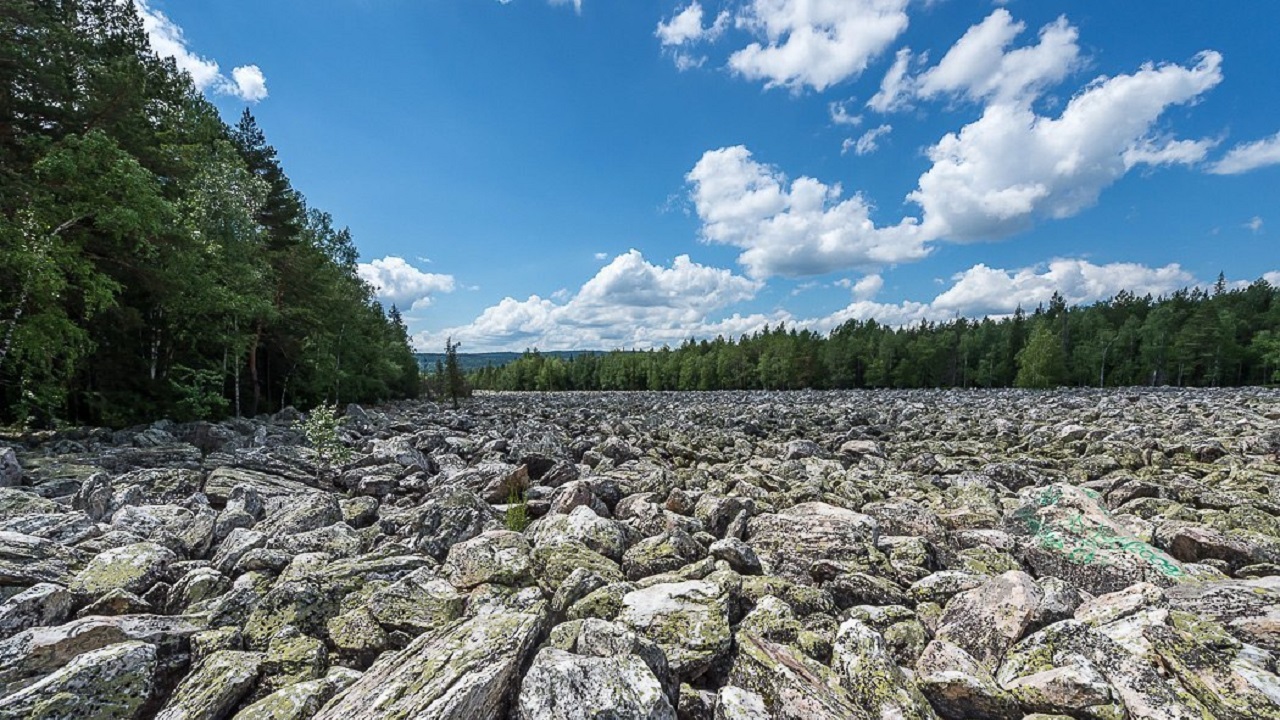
(600, 174)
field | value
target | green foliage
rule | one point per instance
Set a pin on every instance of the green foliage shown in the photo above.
(1041, 363)
(1191, 337)
(320, 428)
(455, 382)
(517, 518)
(153, 260)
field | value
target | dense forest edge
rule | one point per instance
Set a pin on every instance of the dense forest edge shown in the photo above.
(1193, 337)
(155, 262)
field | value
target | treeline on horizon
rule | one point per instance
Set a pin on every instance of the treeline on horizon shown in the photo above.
(1190, 338)
(155, 262)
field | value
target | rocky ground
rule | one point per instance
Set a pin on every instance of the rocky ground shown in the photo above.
(876, 555)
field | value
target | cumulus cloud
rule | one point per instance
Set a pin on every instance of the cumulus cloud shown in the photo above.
(896, 87)
(628, 303)
(840, 114)
(869, 142)
(997, 175)
(1272, 278)
(868, 287)
(1249, 156)
(1254, 224)
(979, 67)
(684, 30)
(815, 43)
(395, 280)
(167, 40)
(981, 291)
(1168, 152)
(251, 85)
(791, 228)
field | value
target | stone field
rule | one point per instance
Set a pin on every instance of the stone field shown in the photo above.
(878, 555)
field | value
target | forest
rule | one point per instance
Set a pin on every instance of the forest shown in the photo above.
(1192, 337)
(154, 261)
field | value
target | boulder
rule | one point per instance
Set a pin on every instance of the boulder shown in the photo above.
(788, 542)
(564, 686)
(466, 669)
(215, 687)
(688, 620)
(110, 682)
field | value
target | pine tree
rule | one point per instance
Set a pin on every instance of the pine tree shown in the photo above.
(453, 374)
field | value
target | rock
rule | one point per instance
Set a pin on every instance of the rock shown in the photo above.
(40, 605)
(958, 686)
(420, 602)
(294, 514)
(449, 516)
(10, 469)
(688, 620)
(220, 483)
(738, 554)
(790, 541)
(357, 636)
(873, 679)
(496, 556)
(1066, 532)
(662, 553)
(133, 568)
(734, 703)
(214, 687)
(601, 535)
(41, 650)
(564, 686)
(463, 670)
(299, 701)
(109, 682)
(553, 562)
(792, 686)
(988, 620)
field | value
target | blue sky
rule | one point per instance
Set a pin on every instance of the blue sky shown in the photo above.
(614, 173)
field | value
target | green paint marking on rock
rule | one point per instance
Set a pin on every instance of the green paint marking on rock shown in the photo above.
(1081, 548)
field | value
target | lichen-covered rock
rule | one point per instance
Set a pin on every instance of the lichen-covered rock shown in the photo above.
(448, 516)
(564, 686)
(1067, 532)
(109, 682)
(305, 604)
(464, 670)
(134, 568)
(223, 480)
(39, 605)
(790, 541)
(496, 556)
(357, 637)
(418, 603)
(602, 535)
(958, 686)
(555, 561)
(688, 620)
(338, 540)
(663, 553)
(1215, 669)
(294, 514)
(26, 560)
(215, 687)
(873, 679)
(986, 621)
(734, 703)
(792, 686)
(299, 701)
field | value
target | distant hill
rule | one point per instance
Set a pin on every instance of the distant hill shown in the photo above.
(474, 361)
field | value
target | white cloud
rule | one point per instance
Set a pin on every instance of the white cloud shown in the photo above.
(686, 27)
(394, 279)
(998, 174)
(1254, 224)
(1249, 156)
(868, 143)
(1167, 152)
(167, 40)
(816, 43)
(978, 67)
(981, 291)
(840, 114)
(250, 83)
(802, 227)
(1272, 278)
(577, 4)
(601, 256)
(629, 303)
(896, 87)
(984, 290)
(868, 287)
